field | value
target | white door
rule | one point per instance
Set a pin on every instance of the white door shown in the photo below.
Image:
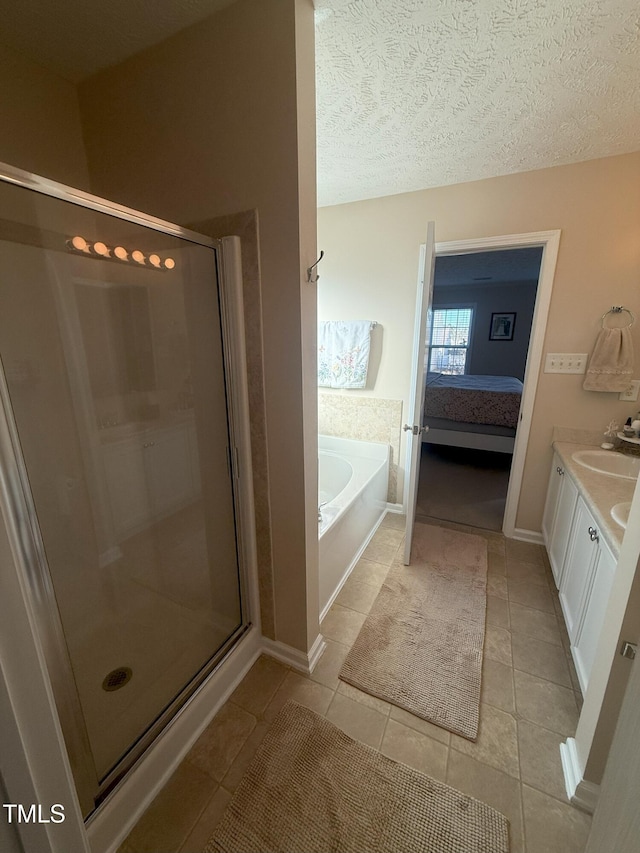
(421, 341)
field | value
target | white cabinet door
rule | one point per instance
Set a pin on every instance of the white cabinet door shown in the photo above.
(126, 477)
(586, 643)
(551, 503)
(579, 565)
(148, 476)
(562, 525)
(168, 468)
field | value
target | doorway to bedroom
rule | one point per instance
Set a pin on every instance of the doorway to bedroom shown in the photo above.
(483, 308)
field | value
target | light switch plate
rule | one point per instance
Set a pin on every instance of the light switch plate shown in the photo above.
(631, 393)
(565, 362)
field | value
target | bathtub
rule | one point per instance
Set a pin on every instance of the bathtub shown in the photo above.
(352, 495)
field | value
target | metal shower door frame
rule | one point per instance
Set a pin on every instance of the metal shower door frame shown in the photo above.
(19, 512)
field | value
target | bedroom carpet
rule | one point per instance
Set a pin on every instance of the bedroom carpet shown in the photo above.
(462, 485)
(313, 789)
(420, 647)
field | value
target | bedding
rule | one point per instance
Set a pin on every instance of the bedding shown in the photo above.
(476, 399)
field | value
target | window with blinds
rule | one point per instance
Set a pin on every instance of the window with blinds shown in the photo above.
(450, 337)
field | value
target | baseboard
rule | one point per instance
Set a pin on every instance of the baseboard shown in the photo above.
(397, 508)
(527, 536)
(113, 821)
(581, 793)
(300, 661)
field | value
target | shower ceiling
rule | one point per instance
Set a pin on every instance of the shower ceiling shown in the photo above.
(411, 93)
(76, 38)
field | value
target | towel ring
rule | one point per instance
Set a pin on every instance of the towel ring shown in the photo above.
(617, 309)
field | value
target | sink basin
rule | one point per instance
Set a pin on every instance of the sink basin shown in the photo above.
(610, 463)
(620, 513)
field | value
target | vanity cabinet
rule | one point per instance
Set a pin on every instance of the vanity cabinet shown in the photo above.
(590, 627)
(150, 475)
(582, 563)
(582, 554)
(562, 497)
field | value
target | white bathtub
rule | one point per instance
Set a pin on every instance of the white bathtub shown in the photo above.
(352, 488)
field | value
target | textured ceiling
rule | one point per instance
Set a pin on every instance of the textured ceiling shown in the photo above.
(421, 93)
(76, 38)
(411, 93)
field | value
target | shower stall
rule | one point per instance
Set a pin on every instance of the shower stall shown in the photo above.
(119, 469)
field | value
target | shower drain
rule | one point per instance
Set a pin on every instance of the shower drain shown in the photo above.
(117, 678)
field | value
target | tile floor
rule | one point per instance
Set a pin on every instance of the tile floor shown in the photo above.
(530, 702)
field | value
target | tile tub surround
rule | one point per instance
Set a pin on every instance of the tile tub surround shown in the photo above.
(599, 491)
(364, 419)
(528, 704)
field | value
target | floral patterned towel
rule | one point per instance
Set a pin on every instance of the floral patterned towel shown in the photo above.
(343, 353)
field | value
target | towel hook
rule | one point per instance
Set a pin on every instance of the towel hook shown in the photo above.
(617, 309)
(310, 269)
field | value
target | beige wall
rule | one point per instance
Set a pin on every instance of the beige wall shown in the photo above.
(371, 265)
(204, 125)
(40, 127)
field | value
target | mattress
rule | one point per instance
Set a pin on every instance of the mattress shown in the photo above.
(475, 399)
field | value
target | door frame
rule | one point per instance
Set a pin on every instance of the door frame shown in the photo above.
(549, 241)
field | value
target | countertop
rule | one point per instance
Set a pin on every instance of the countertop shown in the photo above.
(599, 491)
(132, 429)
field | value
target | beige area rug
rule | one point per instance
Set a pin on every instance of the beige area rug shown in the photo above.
(420, 647)
(313, 789)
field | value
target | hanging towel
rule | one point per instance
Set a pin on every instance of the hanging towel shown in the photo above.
(611, 364)
(343, 353)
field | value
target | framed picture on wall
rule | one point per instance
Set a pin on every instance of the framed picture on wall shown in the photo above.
(502, 326)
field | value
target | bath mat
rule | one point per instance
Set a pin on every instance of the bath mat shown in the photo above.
(313, 789)
(420, 647)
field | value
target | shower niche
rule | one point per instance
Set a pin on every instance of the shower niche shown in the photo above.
(117, 390)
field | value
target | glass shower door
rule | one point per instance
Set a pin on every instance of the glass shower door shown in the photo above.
(116, 393)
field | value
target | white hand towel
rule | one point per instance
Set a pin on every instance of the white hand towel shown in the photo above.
(343, 353)
(611, 364)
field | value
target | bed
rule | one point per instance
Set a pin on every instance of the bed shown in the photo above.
(472, 410)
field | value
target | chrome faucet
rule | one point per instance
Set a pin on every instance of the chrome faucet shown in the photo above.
(320, 510)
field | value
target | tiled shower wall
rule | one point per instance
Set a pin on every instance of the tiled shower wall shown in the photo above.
(365, 419)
